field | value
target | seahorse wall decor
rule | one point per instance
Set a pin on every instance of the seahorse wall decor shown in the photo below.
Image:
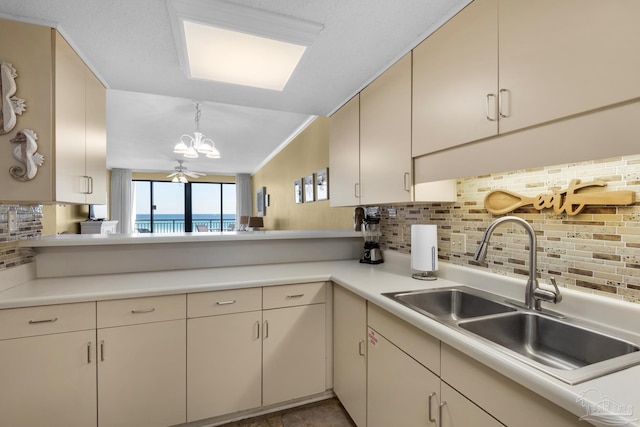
(26, 153)
(10, 105)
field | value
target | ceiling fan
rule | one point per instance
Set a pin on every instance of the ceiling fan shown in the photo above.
(181, 174)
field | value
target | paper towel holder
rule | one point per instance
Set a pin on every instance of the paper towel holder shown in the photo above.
(428, 275)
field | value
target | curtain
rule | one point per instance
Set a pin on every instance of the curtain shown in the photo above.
(122, 199)
(243, 197)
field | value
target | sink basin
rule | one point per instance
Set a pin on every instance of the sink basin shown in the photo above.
(450, 304)
(555, 344)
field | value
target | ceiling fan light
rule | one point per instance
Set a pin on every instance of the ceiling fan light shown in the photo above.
(182, 179)
(175, 179)
(180, 148)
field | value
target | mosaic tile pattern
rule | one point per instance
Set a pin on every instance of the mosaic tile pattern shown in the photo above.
(597, 250)
(29, 227)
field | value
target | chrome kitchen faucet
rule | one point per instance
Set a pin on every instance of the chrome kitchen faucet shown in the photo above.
(533, 293)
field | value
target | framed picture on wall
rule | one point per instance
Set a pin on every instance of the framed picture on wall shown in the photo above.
(309, 189)
(261, 206)
(297, 190)
(322, 184)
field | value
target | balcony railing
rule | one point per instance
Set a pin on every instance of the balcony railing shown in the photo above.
(177, 225)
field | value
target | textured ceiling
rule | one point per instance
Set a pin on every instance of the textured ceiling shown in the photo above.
(129, 44)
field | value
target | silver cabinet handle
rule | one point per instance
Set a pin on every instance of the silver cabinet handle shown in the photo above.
(502, 110)
(431, 396)
(226, 302)
(265, 329)
(257, 329)
(442, 405)
(143, 310)
(489, 110)
(360, 349)
(89, 352)
(90, 185)
(356, 189)
(294, 296)
(34, 322)
(102, 351)
(407, 181)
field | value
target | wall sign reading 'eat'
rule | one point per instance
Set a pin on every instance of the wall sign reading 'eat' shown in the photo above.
(499, 202)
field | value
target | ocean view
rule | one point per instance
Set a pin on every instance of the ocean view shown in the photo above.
(174, 223)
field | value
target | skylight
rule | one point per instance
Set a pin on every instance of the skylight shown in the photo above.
(232, 43)
(239, 58)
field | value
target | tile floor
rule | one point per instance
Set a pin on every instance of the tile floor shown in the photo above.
(326, 413)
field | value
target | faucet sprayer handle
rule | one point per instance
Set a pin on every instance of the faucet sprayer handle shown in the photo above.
(548, 296)
(558, 297)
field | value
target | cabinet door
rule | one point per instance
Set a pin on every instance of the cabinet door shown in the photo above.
(48, 380)
(385, 136)
(349, 353)
(293, 353)
(224, 364)
(141, 375)
(398, 387)
(455, 81)
(344, 154)
(563, 57)
(70, 183)
(458, 411)
(96, 139)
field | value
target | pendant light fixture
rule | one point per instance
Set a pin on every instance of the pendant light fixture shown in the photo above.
(190, 146)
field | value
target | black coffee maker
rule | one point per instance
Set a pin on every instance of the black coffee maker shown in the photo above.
(371, 234)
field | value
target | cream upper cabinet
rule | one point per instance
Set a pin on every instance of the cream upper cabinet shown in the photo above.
(504, 65)
(455, 79)
(66, 108)
(344, 154)
(385, 136)
(564, 57)
(350, 353)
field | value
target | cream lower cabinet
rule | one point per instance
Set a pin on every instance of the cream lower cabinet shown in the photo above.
(411, 373)
(254, 347)
(48, 380)
(142, 362)
(399, 388)
(350, 353)
(48, 366)
(293, 346)
(224, 352)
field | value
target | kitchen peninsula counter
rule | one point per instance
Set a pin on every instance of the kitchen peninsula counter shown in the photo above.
(370, 281)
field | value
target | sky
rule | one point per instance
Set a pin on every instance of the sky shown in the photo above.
(169, 198)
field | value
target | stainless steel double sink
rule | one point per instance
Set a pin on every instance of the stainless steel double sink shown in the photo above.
(567, 349)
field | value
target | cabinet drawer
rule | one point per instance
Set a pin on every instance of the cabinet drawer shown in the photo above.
(134, 311)
(416, 343)
(292, 295)
(47, 319)
(224, 302)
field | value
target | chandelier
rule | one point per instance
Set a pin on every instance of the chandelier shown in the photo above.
(190, 146)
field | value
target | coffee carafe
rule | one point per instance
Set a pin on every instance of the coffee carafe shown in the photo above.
(371, 234)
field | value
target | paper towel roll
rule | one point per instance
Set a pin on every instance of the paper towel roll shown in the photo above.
(424, 247)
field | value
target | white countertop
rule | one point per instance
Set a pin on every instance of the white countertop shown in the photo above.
(368, 281)
(62, 240)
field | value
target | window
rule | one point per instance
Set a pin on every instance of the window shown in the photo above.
(168, 207)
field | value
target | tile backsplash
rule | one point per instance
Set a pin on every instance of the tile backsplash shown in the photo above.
(596, 251)
(29, 225)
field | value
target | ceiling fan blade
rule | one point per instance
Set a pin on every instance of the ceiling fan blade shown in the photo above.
(192, 174)
(172, 174)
